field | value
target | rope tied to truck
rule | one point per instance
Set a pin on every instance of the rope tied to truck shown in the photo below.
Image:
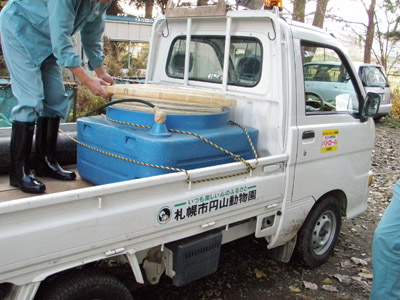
(160, 117)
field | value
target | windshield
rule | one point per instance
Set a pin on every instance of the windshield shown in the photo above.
(207, 59)
(373, 76)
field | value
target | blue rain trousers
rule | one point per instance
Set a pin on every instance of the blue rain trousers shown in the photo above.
(386, 252)
(36, 38)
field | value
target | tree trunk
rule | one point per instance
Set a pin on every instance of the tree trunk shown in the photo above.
(202, 2)
(149, 9)
(299, 10)
(370, 32)
(114, 9)
(319, 16)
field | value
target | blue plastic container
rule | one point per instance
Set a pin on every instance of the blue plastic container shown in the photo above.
(156, 146)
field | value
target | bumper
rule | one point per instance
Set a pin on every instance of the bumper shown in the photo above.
(384, 110)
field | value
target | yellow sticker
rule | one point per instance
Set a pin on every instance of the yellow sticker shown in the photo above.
(329, 140)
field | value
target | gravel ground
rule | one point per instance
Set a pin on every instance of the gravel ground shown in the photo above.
(246, 272)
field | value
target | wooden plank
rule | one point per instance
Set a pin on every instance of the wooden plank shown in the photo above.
(199, 11)
(161, 92)
(8, 192)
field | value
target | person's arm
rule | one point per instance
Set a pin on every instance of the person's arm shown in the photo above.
(61, 20)
(91, 37)
(94, 84)
(61, 23)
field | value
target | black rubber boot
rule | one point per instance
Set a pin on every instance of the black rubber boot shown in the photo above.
(20, 150)
(46, 144)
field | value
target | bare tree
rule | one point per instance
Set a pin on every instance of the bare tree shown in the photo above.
(382, 30)
(387, 34)
(320, 11)
(299, 10)
(369, 39)
(115, 9)
(202, 2)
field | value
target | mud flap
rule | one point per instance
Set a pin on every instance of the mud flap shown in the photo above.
(283, 253)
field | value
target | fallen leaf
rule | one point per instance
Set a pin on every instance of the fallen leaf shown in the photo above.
(330, 288)
(294, 289)
(359, 261)
(365, 271)
(345, 264)
(356, 278)
(366, 276)
(342, 278)
(327, 281)
(260, 274)
(310, 285)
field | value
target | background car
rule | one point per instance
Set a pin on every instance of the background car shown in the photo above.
(324, 82)
(374, 79)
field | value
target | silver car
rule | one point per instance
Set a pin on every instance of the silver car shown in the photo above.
(374, 79)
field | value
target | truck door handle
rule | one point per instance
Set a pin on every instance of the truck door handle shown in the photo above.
(308, 135)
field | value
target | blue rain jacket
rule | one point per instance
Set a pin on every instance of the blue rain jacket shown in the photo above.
(45, 27)
(386, 252)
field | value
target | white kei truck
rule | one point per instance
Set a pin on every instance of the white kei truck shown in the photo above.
(312, 167)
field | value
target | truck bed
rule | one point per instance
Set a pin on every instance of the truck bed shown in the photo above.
(8, 192)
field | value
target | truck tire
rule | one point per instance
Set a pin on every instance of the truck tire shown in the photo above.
(319, 233)
(85, 285)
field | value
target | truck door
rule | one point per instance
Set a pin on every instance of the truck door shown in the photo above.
(334, 145)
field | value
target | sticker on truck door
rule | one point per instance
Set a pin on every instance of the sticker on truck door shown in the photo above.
(330, 140)
(206, 204)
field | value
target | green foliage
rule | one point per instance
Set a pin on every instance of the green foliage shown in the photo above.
(3, 68)
(87, 102)
(115, 9)
(396, 105)
(112, 51)
(3, 3)
(119, 56)
(128, 60)
(393, 121)
(389, 122)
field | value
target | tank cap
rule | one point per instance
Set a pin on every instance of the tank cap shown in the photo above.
(159, 130)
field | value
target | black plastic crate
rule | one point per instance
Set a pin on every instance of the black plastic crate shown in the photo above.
(195, 257)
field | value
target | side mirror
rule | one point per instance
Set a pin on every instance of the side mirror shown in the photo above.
(371, 105)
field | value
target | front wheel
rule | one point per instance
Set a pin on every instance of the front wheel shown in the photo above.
(319, 233)
(85, 285)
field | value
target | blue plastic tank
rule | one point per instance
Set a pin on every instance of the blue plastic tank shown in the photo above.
(157, 145)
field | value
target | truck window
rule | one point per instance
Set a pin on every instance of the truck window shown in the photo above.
(328, 86)
(207, 58)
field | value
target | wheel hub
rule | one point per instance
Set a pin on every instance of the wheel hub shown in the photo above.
(323, 232)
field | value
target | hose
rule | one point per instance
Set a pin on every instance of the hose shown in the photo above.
(119, 101)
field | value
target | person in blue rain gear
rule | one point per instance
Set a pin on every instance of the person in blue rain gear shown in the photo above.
(386, 252)
(36, 38)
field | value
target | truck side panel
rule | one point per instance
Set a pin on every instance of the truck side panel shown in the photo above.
(73, 228)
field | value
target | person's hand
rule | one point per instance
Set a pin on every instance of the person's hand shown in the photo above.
(107, 78)
(95, 85)
(102, 74)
